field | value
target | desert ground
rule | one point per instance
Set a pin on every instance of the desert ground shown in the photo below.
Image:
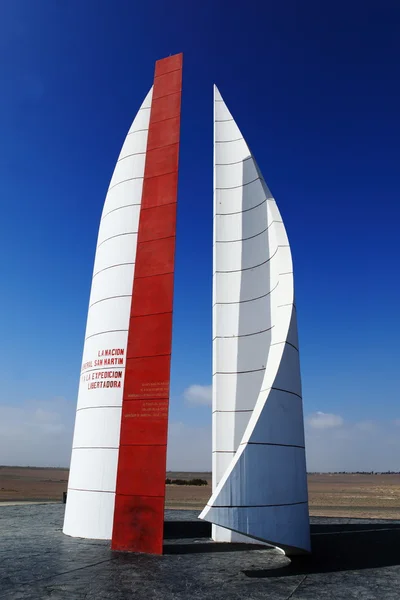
(330, 495)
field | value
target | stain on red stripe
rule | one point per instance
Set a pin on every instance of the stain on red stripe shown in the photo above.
(140, 491)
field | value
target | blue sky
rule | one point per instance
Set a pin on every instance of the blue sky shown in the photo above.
(314, 88)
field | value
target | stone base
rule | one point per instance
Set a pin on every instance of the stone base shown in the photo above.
(353, 557)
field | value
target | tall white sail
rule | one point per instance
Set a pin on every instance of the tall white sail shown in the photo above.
(259, 469)
(92, 480)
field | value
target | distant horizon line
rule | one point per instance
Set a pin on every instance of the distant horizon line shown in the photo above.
(343, 472)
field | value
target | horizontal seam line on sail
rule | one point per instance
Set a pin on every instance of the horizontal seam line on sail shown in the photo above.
(102, 332)
(115, 236)
(161, 174)
(250, 300)
(95, 448)
(256, 266)
(223, 120)
(230, 337)
(157, 206)
(94, 407)
(281, 390)
(237, 162)
(246, 238)
(167, 237)
(237, 372)
(104, 367)
(228, 141)
(239, 212)
(161, 120)
(110, 298)
(271, 444)
(170, 93)
(119, 208)
(235, 187)
(164, 312)
(257, 505)
(153, 275)
(123, 181)
(285, 342)
(129, 155)
(234, 411)
(168, 72)
(137, 131)
(91, 491)
(289, 303)
(112, 267)
(162, 146)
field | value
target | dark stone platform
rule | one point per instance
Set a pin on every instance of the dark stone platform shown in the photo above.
(352, 558)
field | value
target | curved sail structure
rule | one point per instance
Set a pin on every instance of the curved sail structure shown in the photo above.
(259, 469)
(118, 459)
(93, 472)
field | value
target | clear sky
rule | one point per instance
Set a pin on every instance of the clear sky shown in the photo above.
(314, 87)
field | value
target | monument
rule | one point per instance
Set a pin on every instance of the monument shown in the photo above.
(116, 487)
(259, 469)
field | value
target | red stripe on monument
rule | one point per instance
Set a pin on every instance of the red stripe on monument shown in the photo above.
(140, 491)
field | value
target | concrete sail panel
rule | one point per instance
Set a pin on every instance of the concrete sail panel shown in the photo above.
(234, 228)
(116, 251)
(110, 315)
(96, 506)
(243, 318)
(128, 192)
(220, 462)
(231, 427)
(286, 524)
(244, 286)
(261, 477)
(135, 142)
(236, 391)
(245, 354)
(230, 153)
(281, 422)
(112, 283)
(249, 254)
(238, 174)
(140, 486)
(93, 472)
(98, 427)
(233, 200)
(93, 469)
(119, 222)
(259, 471)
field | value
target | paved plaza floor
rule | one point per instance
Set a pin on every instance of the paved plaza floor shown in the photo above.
(352, 558)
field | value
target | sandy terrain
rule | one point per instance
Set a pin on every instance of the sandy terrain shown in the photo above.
(353, 495)
(25, 483)
(348, 495)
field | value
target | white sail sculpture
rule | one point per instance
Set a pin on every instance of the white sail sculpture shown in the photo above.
(259, 469)
(92, 480)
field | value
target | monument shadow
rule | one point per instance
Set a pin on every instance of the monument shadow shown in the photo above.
(342, 547)
(335, 547)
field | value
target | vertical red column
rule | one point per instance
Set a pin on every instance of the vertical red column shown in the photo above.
(140, 491)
